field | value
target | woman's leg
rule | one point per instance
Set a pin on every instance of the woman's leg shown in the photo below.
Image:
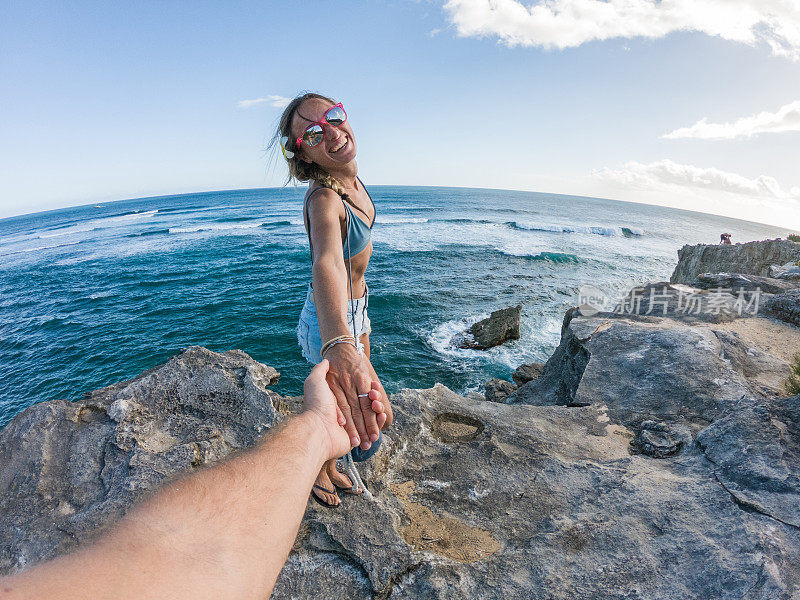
(339, 479)
(365, 340)
(324, 481)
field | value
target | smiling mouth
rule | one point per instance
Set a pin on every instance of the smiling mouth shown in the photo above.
(342, 143)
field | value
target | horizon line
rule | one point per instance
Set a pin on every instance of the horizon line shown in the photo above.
(153, 197)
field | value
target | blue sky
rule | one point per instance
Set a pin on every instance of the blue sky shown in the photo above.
(102, 101)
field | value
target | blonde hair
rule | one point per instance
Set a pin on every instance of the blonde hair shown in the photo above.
(301, 170)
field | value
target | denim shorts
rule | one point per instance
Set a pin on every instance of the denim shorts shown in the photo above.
(308, 335)
(310, 344)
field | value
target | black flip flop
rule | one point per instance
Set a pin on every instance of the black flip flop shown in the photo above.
(327, 491)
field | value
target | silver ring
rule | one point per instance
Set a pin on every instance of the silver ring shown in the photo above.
(363, 395)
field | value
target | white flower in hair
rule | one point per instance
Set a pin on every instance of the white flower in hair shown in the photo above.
(287, 154)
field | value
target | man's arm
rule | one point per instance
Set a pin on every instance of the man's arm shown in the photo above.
(222, 532)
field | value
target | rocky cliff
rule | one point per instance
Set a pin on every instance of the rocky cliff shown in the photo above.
(752, 258)
(656, 456)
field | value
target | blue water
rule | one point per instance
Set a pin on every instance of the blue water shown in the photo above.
(96, 294)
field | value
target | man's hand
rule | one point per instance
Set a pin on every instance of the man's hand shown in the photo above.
(319, 403)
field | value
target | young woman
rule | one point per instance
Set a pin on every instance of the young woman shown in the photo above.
(320, 148)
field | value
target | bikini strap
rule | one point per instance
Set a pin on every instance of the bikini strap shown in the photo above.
(374, 208)
(366, 190)
(345, 202)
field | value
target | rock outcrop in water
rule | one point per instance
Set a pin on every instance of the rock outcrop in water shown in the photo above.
(654, 457)
(528, 372)
(497, 390)
(754, 258)
(502, 325)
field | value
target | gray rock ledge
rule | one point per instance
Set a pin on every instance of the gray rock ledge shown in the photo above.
(653, 459)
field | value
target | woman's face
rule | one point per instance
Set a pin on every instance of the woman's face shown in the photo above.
(330, 153)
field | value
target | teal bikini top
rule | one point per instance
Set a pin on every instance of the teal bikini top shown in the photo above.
(358, 232)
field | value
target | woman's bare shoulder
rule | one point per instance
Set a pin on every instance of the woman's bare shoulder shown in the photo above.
(323, 204)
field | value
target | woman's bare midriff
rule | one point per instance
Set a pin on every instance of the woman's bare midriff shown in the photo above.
(359, 264)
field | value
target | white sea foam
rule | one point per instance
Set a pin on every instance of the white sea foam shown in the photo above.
(541, 227)
(101, 223)
(48, 247)
(596, 230)
(403, 243)
(442, 336)
(38, 248)
(606, 230)
(410, 236)
(400, 220)
(411, 207)
(218, 227)
(97, 295)
(533, 331)
(66, 231)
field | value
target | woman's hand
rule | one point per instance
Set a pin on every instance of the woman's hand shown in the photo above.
(349, 375)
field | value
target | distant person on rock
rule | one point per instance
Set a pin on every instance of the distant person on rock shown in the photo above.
(725, 238)
(320, 147)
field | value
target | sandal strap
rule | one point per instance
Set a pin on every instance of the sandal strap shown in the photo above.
(319, 487)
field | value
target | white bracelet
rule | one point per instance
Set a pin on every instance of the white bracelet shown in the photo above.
(332, 344)
(337, 338)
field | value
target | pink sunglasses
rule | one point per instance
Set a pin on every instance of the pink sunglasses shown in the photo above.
(314, 133)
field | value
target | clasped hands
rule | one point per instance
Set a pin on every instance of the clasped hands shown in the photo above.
(347, 396)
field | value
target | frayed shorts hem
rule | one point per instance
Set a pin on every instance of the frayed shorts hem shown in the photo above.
(308, 336)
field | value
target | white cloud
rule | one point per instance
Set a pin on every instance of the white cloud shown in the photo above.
(709, 190)
(570, 23)
(667, 175)
(274, 101)
(787, 118)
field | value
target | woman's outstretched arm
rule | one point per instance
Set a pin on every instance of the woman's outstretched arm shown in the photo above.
(349, 373)
(221, 532)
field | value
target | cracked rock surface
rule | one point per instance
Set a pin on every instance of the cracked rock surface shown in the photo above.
(68, 468)
(785, 306)
(652, 459)
(739, 281)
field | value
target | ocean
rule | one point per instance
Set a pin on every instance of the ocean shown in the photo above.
(96, 294)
